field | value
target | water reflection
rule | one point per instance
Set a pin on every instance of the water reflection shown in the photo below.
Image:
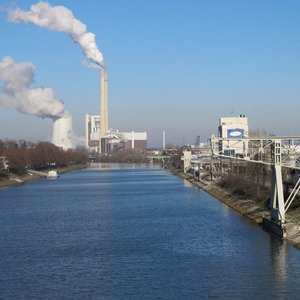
(186, 183)
(278, 250)
(110, 166)
(226, 211)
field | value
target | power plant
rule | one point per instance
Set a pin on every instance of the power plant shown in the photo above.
(99, 138)
(63, 132)
(113, 140)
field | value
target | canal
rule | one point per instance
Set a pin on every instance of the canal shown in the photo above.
(135, 233)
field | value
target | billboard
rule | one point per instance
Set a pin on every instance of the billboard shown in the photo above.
(235, 133)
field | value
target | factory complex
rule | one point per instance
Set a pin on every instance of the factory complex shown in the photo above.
(113, 140)
(99, 137)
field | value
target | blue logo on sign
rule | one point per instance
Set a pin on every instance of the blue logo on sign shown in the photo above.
(235, 133)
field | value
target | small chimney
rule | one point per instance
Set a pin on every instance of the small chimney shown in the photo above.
(132, 139)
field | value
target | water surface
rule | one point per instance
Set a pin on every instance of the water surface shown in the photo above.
(135, 233)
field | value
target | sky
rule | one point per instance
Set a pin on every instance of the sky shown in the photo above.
(173, 65)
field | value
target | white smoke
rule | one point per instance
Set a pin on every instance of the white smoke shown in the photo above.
(60, 18)
(18, 94)
(78, 140)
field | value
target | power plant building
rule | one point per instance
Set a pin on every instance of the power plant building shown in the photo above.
(134, 140)
(92, 132)
(233, 128)
(113, 140)
(101, 139)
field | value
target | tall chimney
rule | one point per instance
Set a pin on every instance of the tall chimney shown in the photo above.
(106, 100)
(103, 108)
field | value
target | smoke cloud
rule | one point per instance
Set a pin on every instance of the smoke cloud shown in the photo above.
(60, 18)
(18, 94)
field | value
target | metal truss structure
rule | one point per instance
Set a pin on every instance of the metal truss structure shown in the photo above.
(275, 151)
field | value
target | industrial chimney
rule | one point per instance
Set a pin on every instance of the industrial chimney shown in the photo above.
(103, 108)
(62, 132)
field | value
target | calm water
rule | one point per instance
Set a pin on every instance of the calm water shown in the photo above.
(135, 234)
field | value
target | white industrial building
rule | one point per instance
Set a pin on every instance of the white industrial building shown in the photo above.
(233, 128)
(63, 132)
(113, 139)
(92, 132)
(116, 140)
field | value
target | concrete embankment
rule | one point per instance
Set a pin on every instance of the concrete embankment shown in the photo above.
(246, 207)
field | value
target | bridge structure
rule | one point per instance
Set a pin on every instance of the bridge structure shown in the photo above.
(160, 158)
(275, 151)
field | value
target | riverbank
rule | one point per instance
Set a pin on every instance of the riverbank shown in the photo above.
(246, 207)
(11, 179)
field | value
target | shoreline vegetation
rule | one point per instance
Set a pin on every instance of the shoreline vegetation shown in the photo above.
(22, 161)
(248, 208)
(12, 179)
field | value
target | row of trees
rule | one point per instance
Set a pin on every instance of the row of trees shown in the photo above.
(248, 180)
(21, 155)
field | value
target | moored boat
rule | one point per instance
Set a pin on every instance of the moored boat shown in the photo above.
(52, 174)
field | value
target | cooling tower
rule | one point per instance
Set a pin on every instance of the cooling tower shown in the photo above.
(62, 132)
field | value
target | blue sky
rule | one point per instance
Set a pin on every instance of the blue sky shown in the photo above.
(173, 65)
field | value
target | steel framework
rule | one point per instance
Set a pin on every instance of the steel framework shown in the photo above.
(275, 151)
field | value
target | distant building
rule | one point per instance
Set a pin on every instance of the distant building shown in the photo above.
(113, 140)
(92, 132)
(233, 128)
(134, 140)
(186, 158)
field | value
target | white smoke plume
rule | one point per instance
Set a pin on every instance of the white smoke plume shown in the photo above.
(60, 18)
(18, 94)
